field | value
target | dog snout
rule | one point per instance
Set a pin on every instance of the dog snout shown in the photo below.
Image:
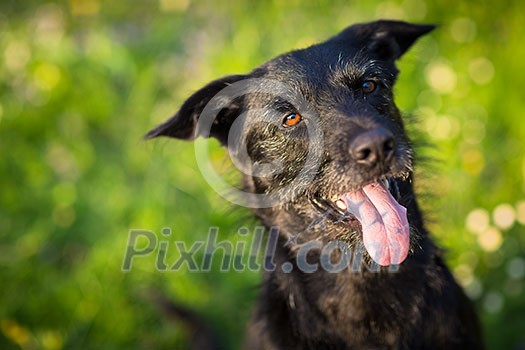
(375, 147)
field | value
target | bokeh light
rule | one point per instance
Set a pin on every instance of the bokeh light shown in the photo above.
(83, 80)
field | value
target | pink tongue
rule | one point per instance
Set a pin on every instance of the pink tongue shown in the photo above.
(384, 223)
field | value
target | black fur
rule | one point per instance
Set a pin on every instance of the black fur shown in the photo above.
(418, 307)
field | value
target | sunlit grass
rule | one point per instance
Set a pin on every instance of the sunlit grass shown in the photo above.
(83, 81)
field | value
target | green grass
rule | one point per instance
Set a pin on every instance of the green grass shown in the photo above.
(82, 81)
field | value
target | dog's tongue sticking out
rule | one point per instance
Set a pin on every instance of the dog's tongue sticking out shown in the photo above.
(384, 223)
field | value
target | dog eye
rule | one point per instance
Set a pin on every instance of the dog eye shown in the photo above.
(368, 87)
(292, 119)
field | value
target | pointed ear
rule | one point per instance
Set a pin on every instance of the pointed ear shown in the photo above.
(387, 40)
(183, 125)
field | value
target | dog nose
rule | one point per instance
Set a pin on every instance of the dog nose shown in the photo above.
(373, 147)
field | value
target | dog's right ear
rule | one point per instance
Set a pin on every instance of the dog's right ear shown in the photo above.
(183, 125)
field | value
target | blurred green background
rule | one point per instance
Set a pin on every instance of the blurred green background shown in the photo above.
(82, 81)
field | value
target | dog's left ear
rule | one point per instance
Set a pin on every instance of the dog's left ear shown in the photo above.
(183, 125)
(387, 40)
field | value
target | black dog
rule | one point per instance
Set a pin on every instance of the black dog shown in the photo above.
(328, 160)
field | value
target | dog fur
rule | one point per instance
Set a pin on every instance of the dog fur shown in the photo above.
(417, 306)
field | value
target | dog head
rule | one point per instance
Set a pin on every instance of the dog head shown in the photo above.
(317, 134)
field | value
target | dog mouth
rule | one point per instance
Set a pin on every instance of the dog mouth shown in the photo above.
(383, 221)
